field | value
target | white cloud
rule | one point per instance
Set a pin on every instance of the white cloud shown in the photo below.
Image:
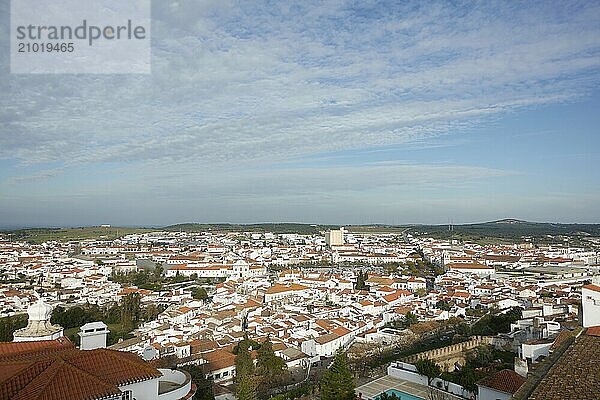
(246, 84)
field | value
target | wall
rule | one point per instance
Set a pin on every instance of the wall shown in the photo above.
(146, 390)
(486, 393)
(533, 351)
(175, 377)
(591, 307)
(447, 356)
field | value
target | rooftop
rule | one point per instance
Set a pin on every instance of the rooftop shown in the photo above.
(58, 372)
(506, 381)
(575, 375)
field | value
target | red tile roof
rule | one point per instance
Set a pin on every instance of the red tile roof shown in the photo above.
(218, 359)
(23, 347)
(595, 288)
(593, 331)
(506, 381)
(60, 371)
(575, 375)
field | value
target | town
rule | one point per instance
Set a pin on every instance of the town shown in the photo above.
(405, 313)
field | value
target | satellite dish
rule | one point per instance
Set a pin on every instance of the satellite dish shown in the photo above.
(149, 353)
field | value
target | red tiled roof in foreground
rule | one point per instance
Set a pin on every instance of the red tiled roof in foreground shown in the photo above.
(593, 287)
(593, 331)
(506, 381)
(59, 371)
(575, 375)
(23, 347)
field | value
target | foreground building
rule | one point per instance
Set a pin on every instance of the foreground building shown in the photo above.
(56, 370)
(42, 364)
(590, 300)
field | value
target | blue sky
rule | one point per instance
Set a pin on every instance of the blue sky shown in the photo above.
(323, 112)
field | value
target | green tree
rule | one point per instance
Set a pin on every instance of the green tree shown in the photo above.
(245, 388)
(428, 368)
(496, 322)
(337, 382)
(443, 305)
(463, 329)
(244, 366)
(130, 311)
(8, 326)
(483, 356)
(158, 271)
(467, 378)
(141, 278)
(361, 281)
(410, 319)
(199, 293)
(269, 366)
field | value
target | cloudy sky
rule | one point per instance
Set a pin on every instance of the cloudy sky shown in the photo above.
(322, 112)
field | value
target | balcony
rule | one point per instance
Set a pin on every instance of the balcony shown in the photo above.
(174, 385)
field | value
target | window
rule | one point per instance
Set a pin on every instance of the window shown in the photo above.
(127, 395)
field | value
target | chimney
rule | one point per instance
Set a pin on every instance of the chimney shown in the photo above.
(521, 367)
(93, 336)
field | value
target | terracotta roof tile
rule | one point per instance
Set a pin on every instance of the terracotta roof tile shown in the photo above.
(506, 381)
(593, 287)
(32, 372)
(593, 331)
(575, 375)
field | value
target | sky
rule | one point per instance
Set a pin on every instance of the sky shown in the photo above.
(337, 112)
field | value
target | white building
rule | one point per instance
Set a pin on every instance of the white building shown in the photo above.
(335, 237)
(471, 268)
(499, 386)
(590, 299)
(101, 374)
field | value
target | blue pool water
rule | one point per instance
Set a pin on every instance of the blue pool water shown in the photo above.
(401, 395)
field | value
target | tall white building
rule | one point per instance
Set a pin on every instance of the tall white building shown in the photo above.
(590, 300)
(38, 326)
(335, 237)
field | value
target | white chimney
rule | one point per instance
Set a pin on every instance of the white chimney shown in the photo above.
(93, 336)
(521, 367)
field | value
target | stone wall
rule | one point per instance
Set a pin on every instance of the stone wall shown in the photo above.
(447, 356)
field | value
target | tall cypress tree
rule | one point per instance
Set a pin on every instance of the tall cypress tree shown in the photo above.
(243, 362)
(244, 374)
(268, 365)
(337, 382)
(245, 388)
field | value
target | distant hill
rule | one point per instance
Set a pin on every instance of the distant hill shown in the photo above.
(509, 229)
(305, 229)
(503, 229)
(40, 235)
